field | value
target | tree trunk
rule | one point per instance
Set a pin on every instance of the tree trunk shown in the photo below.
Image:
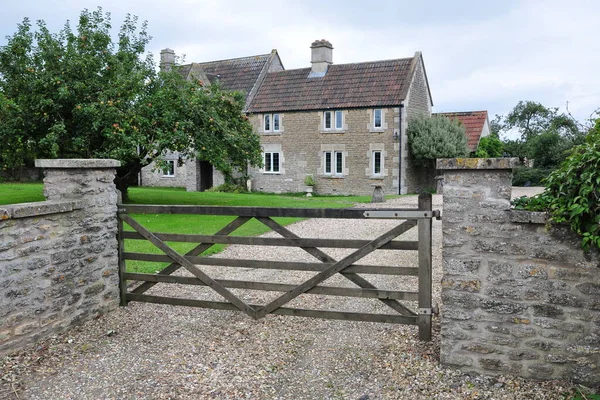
(127, 176)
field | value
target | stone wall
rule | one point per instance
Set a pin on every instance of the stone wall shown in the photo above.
(59, 258)
(518, 297)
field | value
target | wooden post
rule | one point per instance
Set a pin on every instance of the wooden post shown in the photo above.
(122, 267)
(424, 314)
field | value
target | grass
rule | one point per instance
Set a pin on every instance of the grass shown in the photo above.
(191, 224)
(11, 193)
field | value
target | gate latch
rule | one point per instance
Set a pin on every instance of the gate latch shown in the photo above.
(425, 311)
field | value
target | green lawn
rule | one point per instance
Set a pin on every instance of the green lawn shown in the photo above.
(190, 224)
(11, 193)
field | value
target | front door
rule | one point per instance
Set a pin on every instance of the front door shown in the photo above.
(206, 175)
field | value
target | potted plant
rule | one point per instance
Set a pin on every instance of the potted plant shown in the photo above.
(309, 182)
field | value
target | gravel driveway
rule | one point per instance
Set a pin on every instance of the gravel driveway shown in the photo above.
(147, 351)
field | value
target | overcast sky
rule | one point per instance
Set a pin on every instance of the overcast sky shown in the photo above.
(479, 55)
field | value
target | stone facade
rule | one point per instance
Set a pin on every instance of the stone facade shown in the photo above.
(59, 258)
(151, 177)
(518, 296)
(302, 143)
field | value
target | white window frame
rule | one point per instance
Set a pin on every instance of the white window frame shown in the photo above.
(380, 126)
(169, 170)
(333, 166)
(270, 120)
(269, 166)
(336, 120)
(374, 167)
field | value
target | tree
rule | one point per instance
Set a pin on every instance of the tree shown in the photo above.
(76, 94)
(435, 137)
(490, 147)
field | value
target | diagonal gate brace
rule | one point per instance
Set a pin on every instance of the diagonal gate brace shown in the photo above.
(189, 266)
(326, 258)
(333, 269)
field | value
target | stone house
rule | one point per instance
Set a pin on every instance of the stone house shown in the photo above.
(476, 123)
(343, 124)
(243, 74)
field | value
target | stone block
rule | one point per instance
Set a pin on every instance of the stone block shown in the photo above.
(544, 345)
(540, 371)
(502, 307)
(547, 310)
(463, 285)
(453, 266)
(480, 348)
(523, 354)
(494, 364)
(565, 299)
(522, 331)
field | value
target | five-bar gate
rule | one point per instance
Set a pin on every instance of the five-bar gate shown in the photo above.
(326, 266)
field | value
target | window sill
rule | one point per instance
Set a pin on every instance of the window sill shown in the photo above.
(376, 130)
(271, 133)
(377, 177)
(168, 176)
(327, 131)
(270, 173)
(333, 176)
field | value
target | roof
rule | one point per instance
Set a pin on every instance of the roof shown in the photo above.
(367, 84)
(238, 74)
(473, 121)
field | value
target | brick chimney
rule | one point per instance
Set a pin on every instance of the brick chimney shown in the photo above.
(321, 56)
(167, 59)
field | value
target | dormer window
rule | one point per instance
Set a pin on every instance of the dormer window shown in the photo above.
(333, 120)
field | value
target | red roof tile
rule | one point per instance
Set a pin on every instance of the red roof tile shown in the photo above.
(368, 84)
(473, 121)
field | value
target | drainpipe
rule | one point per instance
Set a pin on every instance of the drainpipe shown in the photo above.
(400, 148)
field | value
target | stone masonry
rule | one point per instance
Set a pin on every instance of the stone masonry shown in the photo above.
(59, 258)
(519, 296)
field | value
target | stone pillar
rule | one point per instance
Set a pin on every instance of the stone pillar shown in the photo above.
(192, 175)
(476, 191)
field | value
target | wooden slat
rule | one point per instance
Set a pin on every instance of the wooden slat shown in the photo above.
(352, 213)
(199, 249)
(264, 241)
(283, 265)
(348, 272)
(122, 267)
(424, 320)
(335, 268)
(278, 287)
(189, 266)
(336, 315)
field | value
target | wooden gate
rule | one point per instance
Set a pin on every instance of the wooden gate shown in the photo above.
(325, 268)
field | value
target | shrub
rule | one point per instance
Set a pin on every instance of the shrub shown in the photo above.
(489, 147)
(228, 188)
(572, 193)
(435, 137)
(526, 176)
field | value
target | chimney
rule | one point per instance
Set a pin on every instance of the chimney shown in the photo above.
(321, 56)
(167, 59)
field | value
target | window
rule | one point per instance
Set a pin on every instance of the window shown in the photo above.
(169, 169)
(333, 163)
(339, 119)
(333, 120)
(377, 162)
(272, 123)
(377, 118)
(272, 162)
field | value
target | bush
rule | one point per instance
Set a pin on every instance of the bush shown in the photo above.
(572, 193)
(435, 137)
(228, 188)
(489, 147)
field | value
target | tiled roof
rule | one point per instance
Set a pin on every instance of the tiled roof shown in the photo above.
(473, 121)
(235, 74)
(368, 84)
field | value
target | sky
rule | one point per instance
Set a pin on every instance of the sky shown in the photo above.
(479, 55)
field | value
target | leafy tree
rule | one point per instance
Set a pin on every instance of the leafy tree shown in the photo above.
(572, 193)
(76, 94)
(436, 137)
(490, 147)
